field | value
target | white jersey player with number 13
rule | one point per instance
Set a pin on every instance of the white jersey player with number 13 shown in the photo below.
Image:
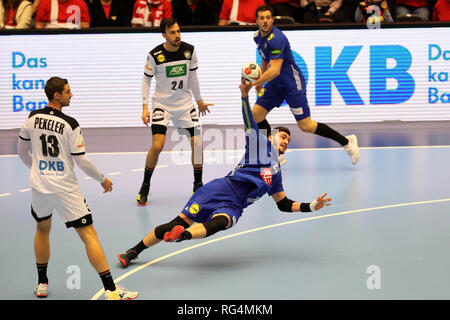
(56, 142)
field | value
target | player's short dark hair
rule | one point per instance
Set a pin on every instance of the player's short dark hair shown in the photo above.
(54, 85)
(282, 129)
(167, 23)
(264, 7)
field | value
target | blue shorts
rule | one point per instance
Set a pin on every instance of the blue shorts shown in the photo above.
(273, 95)
(214, 197)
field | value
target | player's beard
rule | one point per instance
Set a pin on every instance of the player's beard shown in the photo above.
(65, 103)
(176, 43)
(265, 29)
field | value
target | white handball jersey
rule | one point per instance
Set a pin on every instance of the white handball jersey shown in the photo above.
(55, 138)
(171, 70)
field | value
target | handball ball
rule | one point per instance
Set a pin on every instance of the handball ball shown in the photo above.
(251, 71)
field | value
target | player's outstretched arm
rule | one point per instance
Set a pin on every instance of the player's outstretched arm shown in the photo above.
(287, 205)
(247, 114)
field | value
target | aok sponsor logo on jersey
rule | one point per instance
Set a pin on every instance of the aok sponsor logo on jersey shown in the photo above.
(178, 70)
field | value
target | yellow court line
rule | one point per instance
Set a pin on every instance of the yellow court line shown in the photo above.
(126, 275)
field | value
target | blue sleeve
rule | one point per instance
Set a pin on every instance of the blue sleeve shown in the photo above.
(277, 185)
(247, 114)
(276, 47)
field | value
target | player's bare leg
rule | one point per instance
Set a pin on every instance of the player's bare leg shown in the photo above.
(93, 248)
(150, 164)
(259, 113)
(98, 260)
(197, 160)
(307, 125)
(42, 254)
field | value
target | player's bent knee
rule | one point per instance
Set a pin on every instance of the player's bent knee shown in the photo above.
(162, 229)
(259, 113)
(306, 127)
(216, 224)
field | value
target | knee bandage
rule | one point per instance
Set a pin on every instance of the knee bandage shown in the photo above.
(216, 224)
(160, 230)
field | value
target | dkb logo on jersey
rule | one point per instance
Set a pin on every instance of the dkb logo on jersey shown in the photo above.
(51, 165)
(178, 70)
(266, 175)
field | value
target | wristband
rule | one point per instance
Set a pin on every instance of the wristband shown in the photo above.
(305, 207)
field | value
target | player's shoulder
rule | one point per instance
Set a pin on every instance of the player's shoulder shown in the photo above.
(186, 46)
(47, 111)
(276, 35)
(156, 50)
(70, 120)
(256, 34)
(187, 50)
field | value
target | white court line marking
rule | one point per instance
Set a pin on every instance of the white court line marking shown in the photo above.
(25, 190)
(236, 150)
(126, 275)
(289, 150)
(114, 173)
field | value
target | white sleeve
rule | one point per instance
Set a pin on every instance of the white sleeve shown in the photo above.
(88, 167)
(23, 150)
(146, 81)
(194, 85)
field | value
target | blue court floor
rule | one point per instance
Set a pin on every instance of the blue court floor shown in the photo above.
(385, 236)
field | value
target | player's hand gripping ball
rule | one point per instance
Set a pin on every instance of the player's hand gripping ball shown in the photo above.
(251, 71)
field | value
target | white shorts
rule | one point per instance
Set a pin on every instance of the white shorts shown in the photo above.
(71, 207)
(182, 117)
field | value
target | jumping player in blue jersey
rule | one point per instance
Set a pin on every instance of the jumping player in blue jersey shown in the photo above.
(219, 204)
(284, 80)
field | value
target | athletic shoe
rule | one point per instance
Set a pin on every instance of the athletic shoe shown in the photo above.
(282, 159)
(142, 197)
(41, 290)
(174, 234)
(120, 294)
(126, 257)
(352, 148)
(197, 186)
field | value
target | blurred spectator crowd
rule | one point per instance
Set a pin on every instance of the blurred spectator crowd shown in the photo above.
(148, 13)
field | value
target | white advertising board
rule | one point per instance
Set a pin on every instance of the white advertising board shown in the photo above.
(363, 75)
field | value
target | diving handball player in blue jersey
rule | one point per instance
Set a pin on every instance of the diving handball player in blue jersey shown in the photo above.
(284, 80)
(218, 205)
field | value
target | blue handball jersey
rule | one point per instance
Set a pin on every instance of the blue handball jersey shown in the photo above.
(275, 46)
(258, 172)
